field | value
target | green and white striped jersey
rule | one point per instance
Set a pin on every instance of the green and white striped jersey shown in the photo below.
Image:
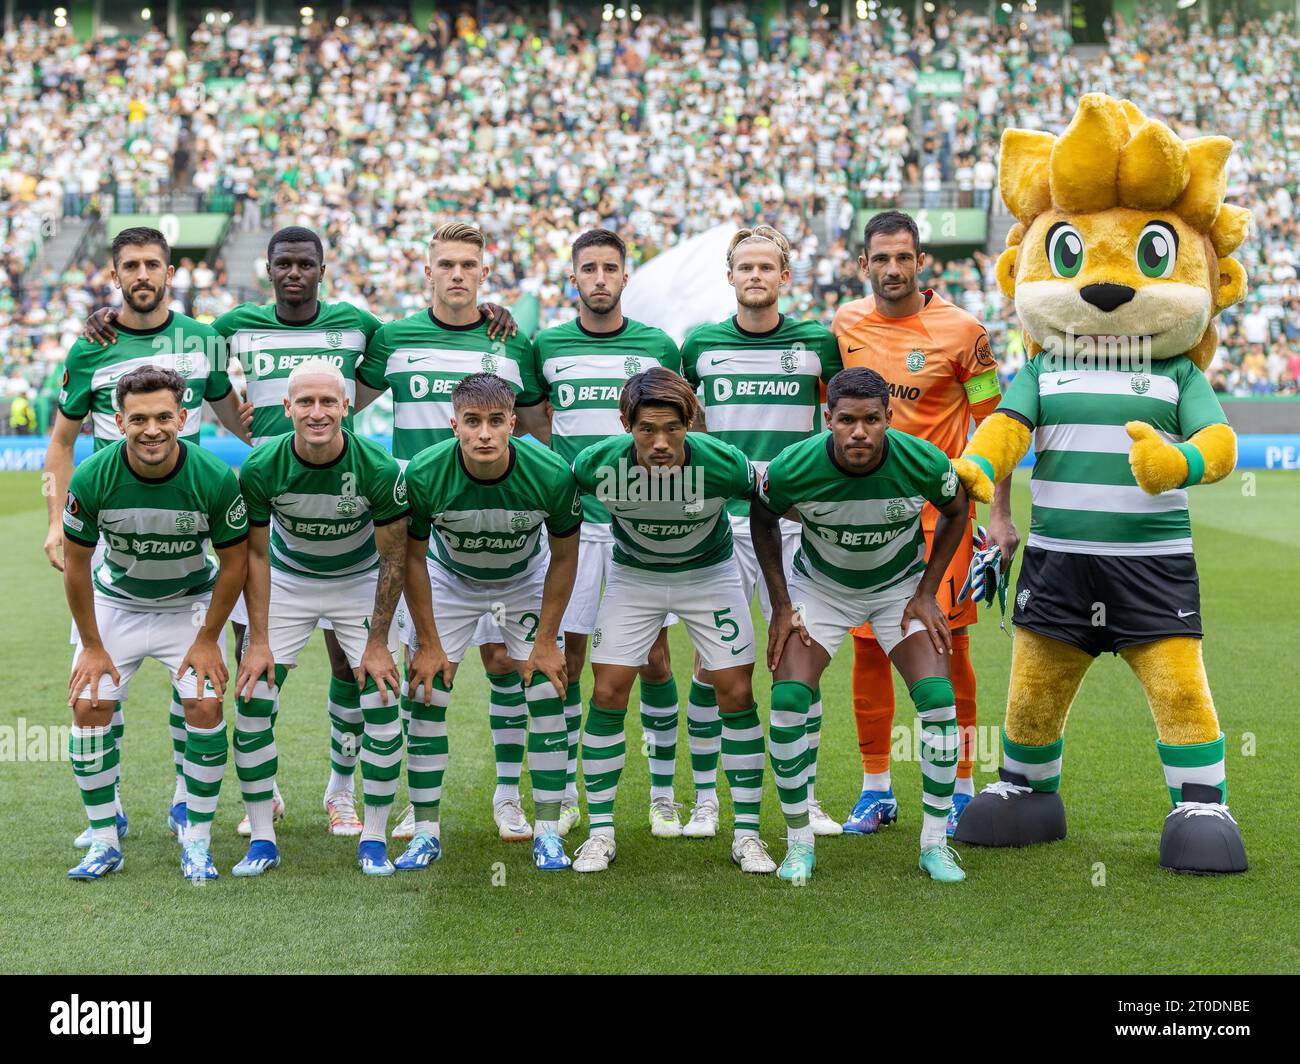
(672, 520)
(583, 374)
(422, 359)
(491, 530)
(156, 531)
(323, 517)
(91, 372)
(761, 391)
(861, 531)
(1085, 499)
(269, 349)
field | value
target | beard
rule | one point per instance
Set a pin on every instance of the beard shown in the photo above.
(755, 300)
(613, 303)
(145, 302)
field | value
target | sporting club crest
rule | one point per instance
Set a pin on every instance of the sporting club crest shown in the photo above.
(347, 505)
(1140, 383)
(631, 366)
(184, 363)
(791, 360)
(489, 363)
(519, 522)
(1022, 598)
(334, 338)
(895, 510)
(916, 360)
(186, 523)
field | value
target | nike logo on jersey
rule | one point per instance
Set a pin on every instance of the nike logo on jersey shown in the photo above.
(1065, 380)
(720, 361)
(1185, 613)
(854, 350)
(565, 369)
(411, 360)
(825, 511)
(740, 650)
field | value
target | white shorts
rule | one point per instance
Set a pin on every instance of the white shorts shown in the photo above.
(239, 615)
(513, 607)
(595, 555)
(299, 603)
(751, 576)
(829, 614)
(637, 603)
(130, 636)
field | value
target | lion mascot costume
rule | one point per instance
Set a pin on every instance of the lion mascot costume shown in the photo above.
(1118, 264)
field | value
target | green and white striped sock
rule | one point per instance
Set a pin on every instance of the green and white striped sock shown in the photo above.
(119, 736)
(508, 722)
(1040, 765)
(703, 735)
(788, 749)
(813, 730)
(346, 726)
(381, 759)
(256, 754)
(573, 725)
(205, 765)
(176, 729)
(426, 757)
(1194, 763)
(659, 727)
(95, 758)
(548, 751)
(603, 753)
(742, 761)
(936, 708)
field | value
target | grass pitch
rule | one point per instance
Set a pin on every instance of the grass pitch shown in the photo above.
(1095, 902)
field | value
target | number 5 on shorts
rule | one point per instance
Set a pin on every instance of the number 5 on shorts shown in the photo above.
(721, 621)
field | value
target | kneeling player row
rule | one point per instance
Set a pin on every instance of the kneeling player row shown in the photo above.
(317, 536)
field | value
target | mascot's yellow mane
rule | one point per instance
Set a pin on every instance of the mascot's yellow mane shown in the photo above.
(1117, 162)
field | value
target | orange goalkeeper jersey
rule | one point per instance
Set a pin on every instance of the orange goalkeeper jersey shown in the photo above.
(938, 364)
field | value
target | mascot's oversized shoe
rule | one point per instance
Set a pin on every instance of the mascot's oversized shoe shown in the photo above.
(1200, 836)
(1010, 813)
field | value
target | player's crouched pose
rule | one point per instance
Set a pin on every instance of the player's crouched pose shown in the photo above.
(858, 492)
(327, 542)
(486, 499)
(157, 501)
(666, 490)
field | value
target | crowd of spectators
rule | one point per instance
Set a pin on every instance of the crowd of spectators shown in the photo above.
(372, 132)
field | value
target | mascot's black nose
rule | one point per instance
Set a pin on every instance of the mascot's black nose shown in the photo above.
(1106, 296)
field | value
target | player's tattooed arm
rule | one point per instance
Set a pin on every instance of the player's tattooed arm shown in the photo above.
(1002, 529)
(58, 471)
(765, 531)
(547, 657)
(953, 527)
(376, 660)
(429, 660)
(93, 663)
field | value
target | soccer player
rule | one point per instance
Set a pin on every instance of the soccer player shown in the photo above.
(583, 365)
(761, 376)
(422, 358)
(327, 539)
(157, 500)
(486, 499)
(270, 341)
(667, 490)
(858, 492)
(941, 374)
(151, 335)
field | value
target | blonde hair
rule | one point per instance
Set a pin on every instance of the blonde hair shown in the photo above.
(317, 365)
(458, 233)
(760, 232)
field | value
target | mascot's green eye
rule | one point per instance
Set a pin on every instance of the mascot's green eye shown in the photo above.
(1065, 249)
(1157, 250)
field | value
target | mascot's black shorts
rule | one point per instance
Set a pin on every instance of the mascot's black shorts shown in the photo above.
(1107, 603)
